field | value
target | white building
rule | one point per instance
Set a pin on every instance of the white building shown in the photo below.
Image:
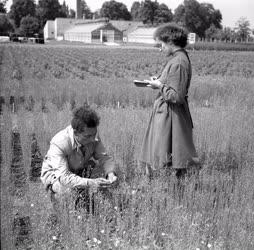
(94, 33)
(98, 30)
(55, 29)
(63, 24)
(142, 35)
(49, 30)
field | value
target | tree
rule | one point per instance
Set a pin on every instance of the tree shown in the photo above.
(2, 6)
(115, 11)
(85, 10)
(135, 11)
(192, 19)
(148, 10)
(197, 17)
(72, 13)
(227, 34)
(5, 25)
(29, 26)
(97, 14)
(163, 14)
(243, 29)
(151, 12)
(213, 33)
(65, 9)
(179, 15)
(20, 9)
(209, 15)
(49, 10)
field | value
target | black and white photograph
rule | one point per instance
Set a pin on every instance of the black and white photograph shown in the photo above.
(127, 125)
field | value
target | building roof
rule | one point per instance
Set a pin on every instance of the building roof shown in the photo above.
(85, 28)
(88, 27)
(86, 21)
(65, 18)
(143, 31)
(125, 26)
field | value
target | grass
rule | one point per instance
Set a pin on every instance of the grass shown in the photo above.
(216, 209)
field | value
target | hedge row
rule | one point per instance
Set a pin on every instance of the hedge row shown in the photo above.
(222, 46)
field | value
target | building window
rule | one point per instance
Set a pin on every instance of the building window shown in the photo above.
(96, 35)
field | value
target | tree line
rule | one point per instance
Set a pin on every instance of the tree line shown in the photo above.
(26, 17)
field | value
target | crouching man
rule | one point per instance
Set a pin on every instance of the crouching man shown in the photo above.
(76, 159)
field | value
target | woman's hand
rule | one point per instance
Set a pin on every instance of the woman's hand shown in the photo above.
(154, 83)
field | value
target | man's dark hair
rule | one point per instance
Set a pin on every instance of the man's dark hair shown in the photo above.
(84, 116)
(171, 32)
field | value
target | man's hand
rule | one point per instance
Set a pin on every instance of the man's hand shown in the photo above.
(98, 183)
(112, 177)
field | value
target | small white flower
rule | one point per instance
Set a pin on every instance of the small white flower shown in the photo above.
(79, 217)
(116, 208)
(102, 231)
(98, 242)
(117, 242)
(95, 240)
(209, 245)
(163, 234)
(133, 192)
(32, 205)
(54, 237)
(197, 248)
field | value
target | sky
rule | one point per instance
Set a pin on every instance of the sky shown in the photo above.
(231, 10)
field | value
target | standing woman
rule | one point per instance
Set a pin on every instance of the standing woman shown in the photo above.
(168, 141)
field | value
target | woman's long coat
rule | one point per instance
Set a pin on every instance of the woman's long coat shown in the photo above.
(168, 139)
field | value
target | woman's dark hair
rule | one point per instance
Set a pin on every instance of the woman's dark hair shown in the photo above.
(171, 32)
(84, 116)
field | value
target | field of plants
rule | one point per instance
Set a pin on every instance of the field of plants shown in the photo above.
(40, 86)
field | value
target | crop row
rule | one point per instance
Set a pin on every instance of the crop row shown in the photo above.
(125, 63)
(35, 77)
